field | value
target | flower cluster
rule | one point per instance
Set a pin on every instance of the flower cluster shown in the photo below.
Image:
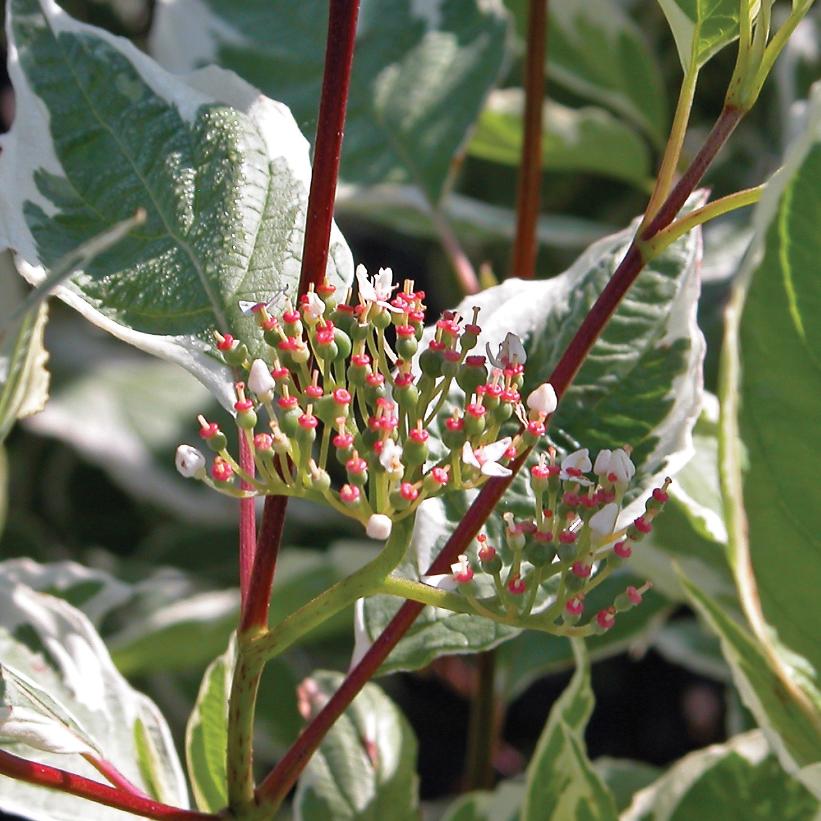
(348, 389)
(569, 547)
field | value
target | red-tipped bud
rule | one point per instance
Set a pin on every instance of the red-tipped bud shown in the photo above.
(622, 550)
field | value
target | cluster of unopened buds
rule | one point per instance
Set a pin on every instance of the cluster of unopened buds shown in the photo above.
(339, 407)
(547, 565)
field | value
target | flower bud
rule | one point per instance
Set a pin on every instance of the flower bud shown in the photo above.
(543, 400)
(260, 380)
(190, 462)
(379, 526)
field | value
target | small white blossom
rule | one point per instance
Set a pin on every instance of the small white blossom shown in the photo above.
(391, 459)
(379, 526)
(543, 400)
(462, 571)
(615, 466)
(378, 289)
(190, 462)
(574, 464)
(260, 380)
(313, 306)
(511, 352)
(250, 308)
(486, 459)
(603, 522)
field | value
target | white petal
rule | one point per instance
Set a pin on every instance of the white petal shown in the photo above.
(622, 465)
(579, 459)
(603, 523)
(379, 527)
(442, 581)
(314, 306)
(383, 283)
(495, 450)
(543, 399)
(247, 307)
(260, 380)
(513, 350)
(495, 469)
(468, 456)
(361, 640)
(366, 289)
(190, 462)
(602, 466)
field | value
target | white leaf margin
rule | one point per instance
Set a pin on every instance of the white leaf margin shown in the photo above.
(28, 147)
(660, 800)
(88, 673)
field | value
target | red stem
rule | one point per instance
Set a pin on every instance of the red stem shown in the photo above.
(255, 614)
(280, 780)
(719, 134)
(339, 46)
(247, 523)
(56, 779)
(114, 776)
(330, 126)
(525, 247)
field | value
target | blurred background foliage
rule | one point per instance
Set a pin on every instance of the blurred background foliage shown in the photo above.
(91, 479)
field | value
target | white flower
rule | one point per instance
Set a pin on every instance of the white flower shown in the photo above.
(391, 459)
(603, 522)
(378, 289)
(574, 464)
(543, 400)
(511, 352)
(486, 459)
(615, 466)
(313, 306)
(379, 526)
(190, 462)
(250, 308)
(462, 571)
(260, 380)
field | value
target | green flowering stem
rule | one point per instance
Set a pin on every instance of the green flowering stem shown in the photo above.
(258, 644)
(672, 151)
(363, 582)
(653, 247)
(425, 594)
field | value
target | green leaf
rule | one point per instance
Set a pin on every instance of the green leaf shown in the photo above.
(641, 384)
(404, 209)
(685, 642)
(45, 640)
(532, 655)
(595, 50)
(701, 28)
(206, 734)
(770, 390)
(365, 769)
(769, 699)
(419, 79)
(24, 379)
(574, 139)
(502, 804)
(781, 496)
(625, 777)
(29, 716)
(561, 781)
(126, 413)
(100, 130)
(736, 781)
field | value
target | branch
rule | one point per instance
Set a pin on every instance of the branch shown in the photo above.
(523, 263)
(56, 779)
(247, 522)
(255, 613)
(330, 127)
(279, 781)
